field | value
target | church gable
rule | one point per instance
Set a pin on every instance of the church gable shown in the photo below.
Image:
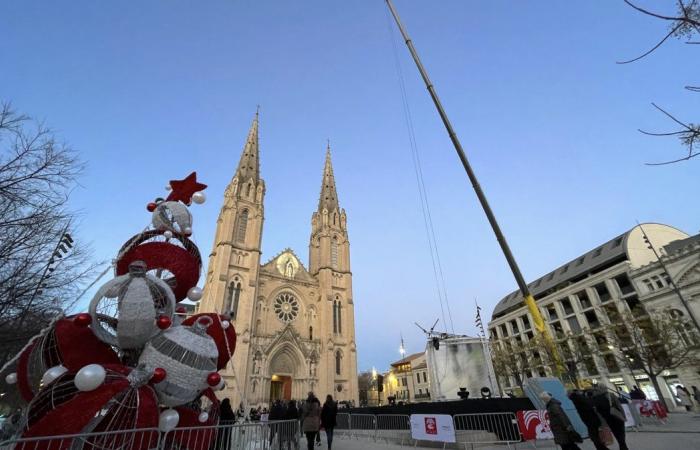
(287, 265)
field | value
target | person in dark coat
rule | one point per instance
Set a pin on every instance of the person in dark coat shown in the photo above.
(637, 394)
(609, 407)
(559, 423)
(329, 412)
(291, 435)
(277, 412)
(226, 419)
(585, 409)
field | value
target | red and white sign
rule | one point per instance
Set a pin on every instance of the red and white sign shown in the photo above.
(432, 427)
(534, 424)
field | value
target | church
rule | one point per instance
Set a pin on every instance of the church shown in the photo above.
(295, 326)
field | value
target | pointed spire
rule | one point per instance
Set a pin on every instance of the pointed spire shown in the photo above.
(249, 165)
(329, 197)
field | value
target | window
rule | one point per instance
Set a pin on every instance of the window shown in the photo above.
(617, 242)
(504, 330)
(338, 362)
(612, 312)
(286, 307)
(550, 276)
(529, 335)
(583, 300)
(425, 377)
(420, 391)
(592, 319)
(311, 333)
(565, 268)
(657, 280)
(611, 363)
(334, 252)
(337, 319)
(623, 282)
(514, 326)
(234, 295)
(241, 226)
(574, 325)
(418, 378)
(634, 304)
(404, 381)
(526, 322)
(597, 252)
(602, 291)
(552, 311)
(566, 305)
(580, 260)
(650, 286)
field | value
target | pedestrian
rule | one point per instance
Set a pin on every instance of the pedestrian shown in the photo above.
(559, 423)
(589, 416)
(292, 414)
(311, 419)
(329, 413)
(226, 420)
(609, 407)
(318, 435)
(637, 394)
(277, 412)
(696, 394)
(684, 398)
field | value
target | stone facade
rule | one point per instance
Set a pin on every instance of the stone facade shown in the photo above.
(295, 326)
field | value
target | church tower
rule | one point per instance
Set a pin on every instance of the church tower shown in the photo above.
(295, 327)
(234, 263)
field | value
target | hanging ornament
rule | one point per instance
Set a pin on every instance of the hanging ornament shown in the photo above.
(177, 261)
(109, 413)
(52, 374)
(199, 197)
(159, 375)
(195, 293)
(172, 216)
(188, 355)
(224, 335)
(151, 206)
(168, 234)
(213, 379)
(90, 377)
(140, 299)
(82, 319)
(11, 378)
(163, 322)
(168, 420)
(183, 190)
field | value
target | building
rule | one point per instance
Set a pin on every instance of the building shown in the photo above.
(600, 287)
(407, 380)
(295, 326)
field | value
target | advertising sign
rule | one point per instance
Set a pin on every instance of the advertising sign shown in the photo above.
(432, 427)
(534, 425)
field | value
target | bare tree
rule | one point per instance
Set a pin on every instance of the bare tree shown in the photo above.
(575, 352)
(509, 362)
(684, 24)
(41, 268)
(654, 343)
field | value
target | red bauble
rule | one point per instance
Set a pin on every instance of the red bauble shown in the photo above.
(181, 310)
(159, 375)
(213, 379)
(163, 322)
(178, 256)
(151, 207)
(225, 339)
(82, 319)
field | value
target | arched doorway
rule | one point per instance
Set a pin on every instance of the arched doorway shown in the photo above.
(283, 367)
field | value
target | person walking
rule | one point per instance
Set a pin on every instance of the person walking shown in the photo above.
(226, 420)
(277, 412)
(696, 395)
(637, 394)
(589, 416)
(684, 398)
(292, 414)
(559, 423)
(610, 409)
(311, 419)
(329, 412)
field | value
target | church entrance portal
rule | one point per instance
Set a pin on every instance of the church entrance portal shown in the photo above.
(280, 388)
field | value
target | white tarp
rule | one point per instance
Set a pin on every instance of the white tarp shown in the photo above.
(432, 427)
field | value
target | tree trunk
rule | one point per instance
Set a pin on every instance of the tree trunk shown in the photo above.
(657, 388)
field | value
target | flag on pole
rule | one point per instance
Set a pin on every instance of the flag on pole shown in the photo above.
(479, 323)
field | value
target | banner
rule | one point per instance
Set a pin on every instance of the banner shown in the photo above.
(432, 427)
(629, 418)
(534, 425)
(535, 386)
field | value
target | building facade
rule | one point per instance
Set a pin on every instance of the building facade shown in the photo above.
(620, 278)
(295, 326)
(407, 380)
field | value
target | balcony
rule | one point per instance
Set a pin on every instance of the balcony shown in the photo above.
(422, 396)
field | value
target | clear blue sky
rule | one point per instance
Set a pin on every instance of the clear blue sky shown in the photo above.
(148, 91)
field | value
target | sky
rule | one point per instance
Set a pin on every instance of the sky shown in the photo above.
(150, 91)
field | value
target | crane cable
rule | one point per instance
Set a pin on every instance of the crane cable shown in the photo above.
(425, 207)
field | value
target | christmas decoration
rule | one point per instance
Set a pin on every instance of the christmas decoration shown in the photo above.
(188, 355)
(137, 299)
(135, 360)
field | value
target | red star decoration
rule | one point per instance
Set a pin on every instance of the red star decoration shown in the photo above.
(183, 189)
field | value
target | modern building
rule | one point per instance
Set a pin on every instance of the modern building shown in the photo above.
(601, 287)
(295, 326)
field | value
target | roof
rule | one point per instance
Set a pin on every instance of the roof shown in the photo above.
(674, 246)
(409, 358)
(614, 251)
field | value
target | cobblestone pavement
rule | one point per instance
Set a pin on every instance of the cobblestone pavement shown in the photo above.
(681, 432)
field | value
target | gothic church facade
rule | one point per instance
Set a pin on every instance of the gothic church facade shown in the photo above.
(295, 326)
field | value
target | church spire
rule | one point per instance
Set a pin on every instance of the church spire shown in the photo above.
(329, 197)
(249, 165)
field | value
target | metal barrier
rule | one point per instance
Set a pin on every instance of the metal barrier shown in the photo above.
(273, 435)
(342, 426)
(141, 439)
(363, 426)
(393, 428)
(486, 428)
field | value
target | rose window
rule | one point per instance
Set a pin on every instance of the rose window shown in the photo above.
(286, 307)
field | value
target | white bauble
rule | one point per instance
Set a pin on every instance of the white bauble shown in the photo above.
(225, 324)
(199, 197)
(168, 420)
(11, 378)
(53, 373)
(168, 187)
(220, 386)
(194, 293)
(168, 234)
(187, 230)
(203, 417)
(90, 377)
